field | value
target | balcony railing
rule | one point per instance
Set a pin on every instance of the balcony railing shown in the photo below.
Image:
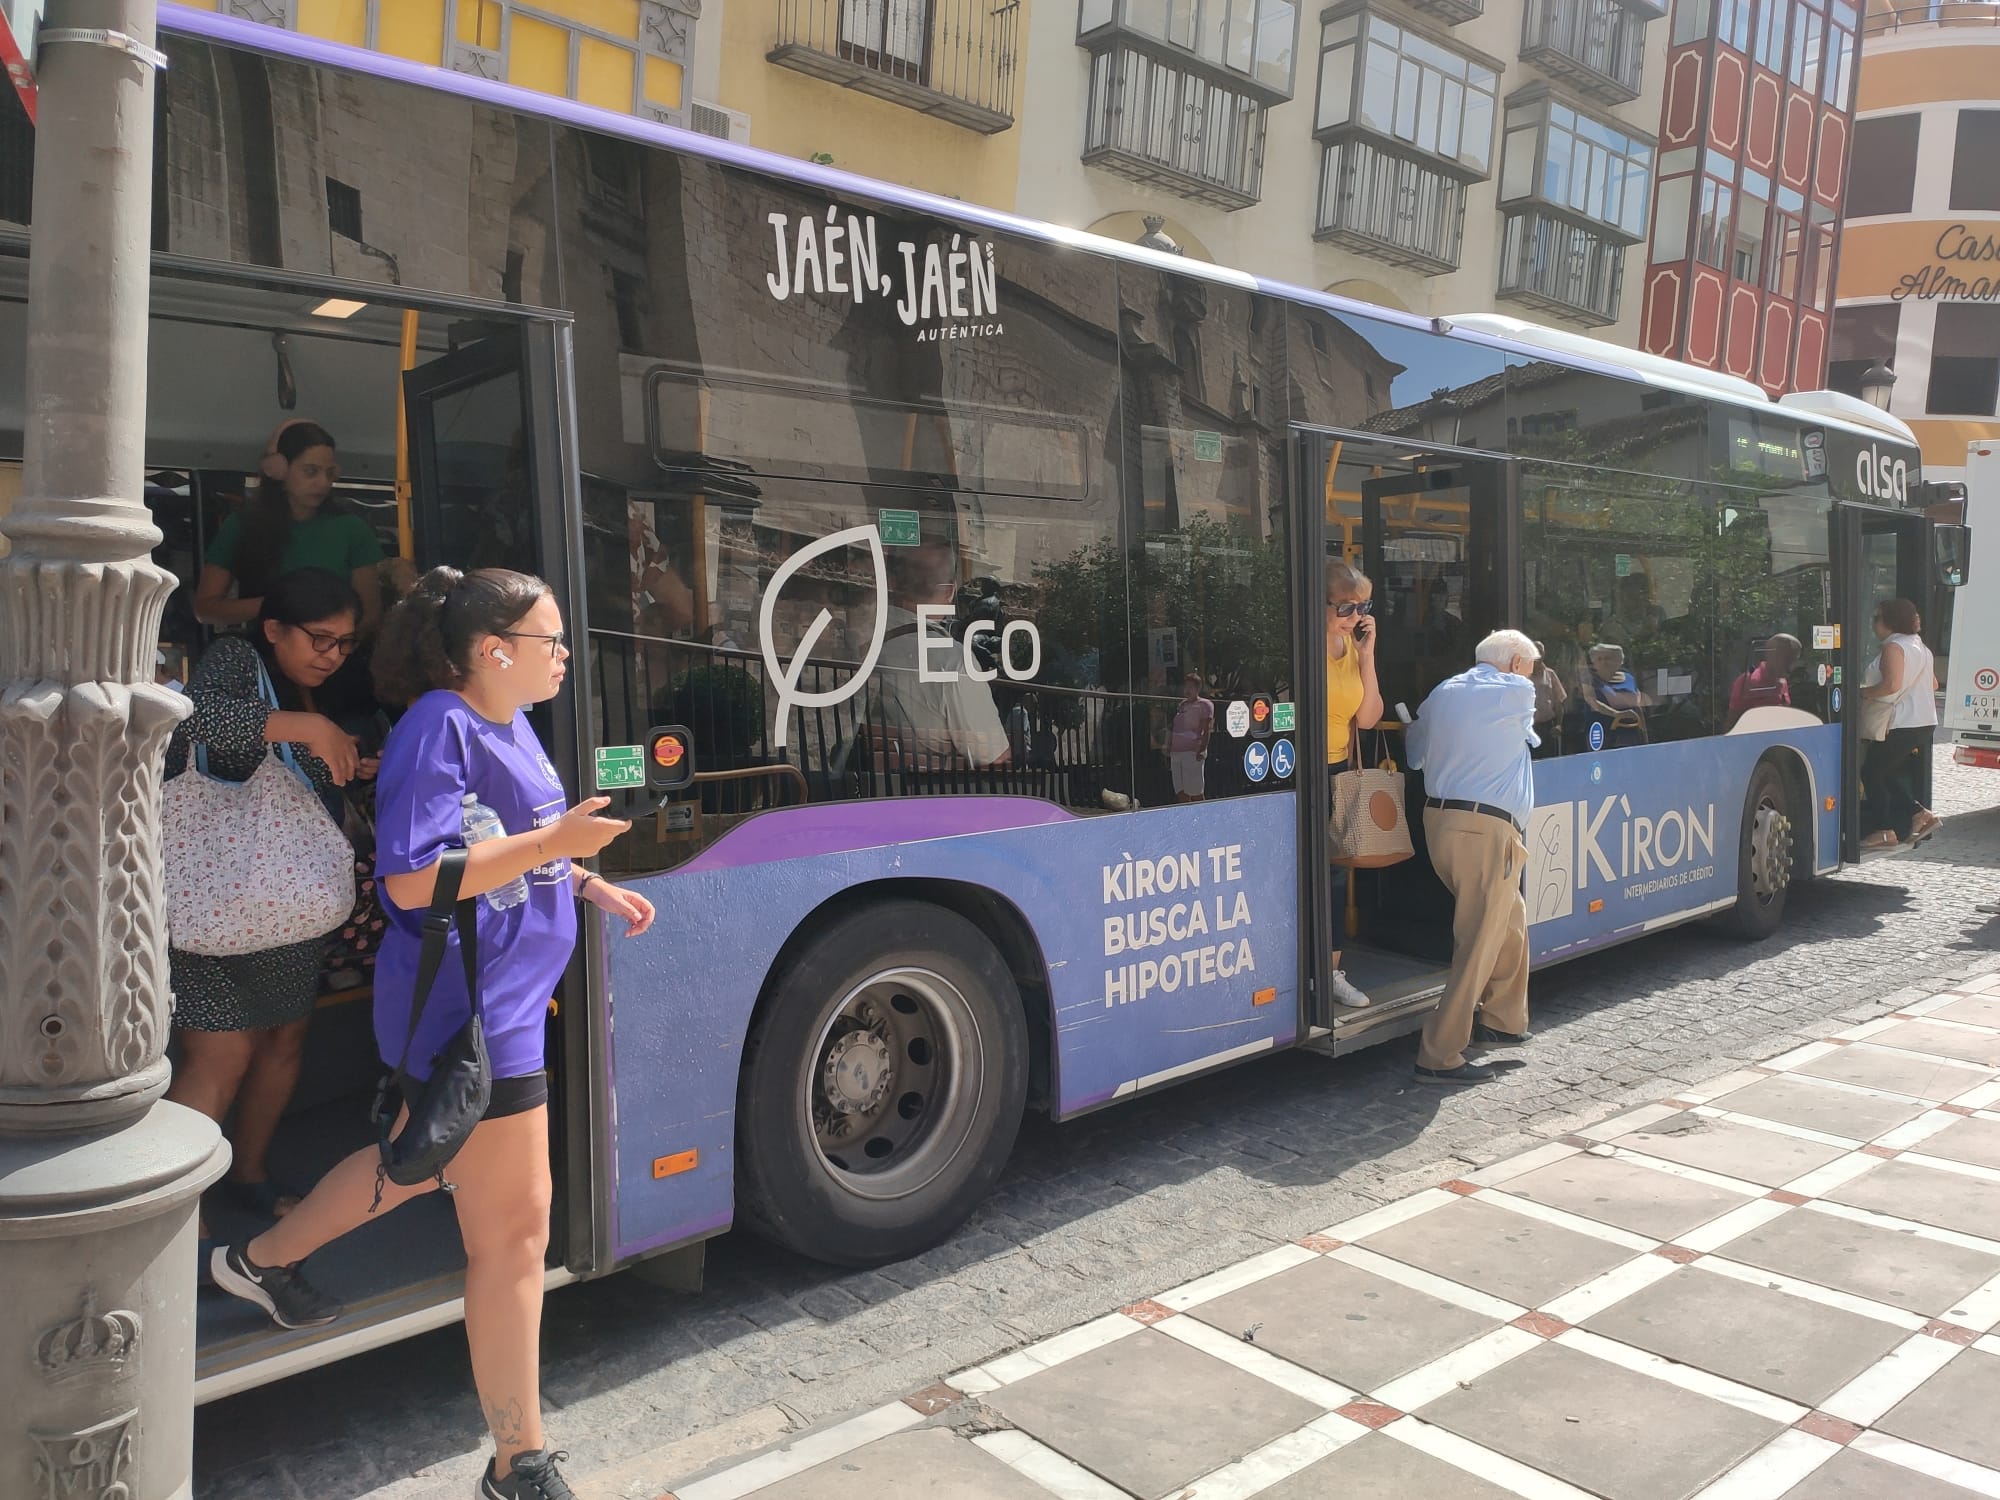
(1390, 207)
(950, 58)
(1166, 126)
(1563, 268)
(1939, 13)
(1598, 45)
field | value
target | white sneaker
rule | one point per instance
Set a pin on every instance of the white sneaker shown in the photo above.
(1346, 994)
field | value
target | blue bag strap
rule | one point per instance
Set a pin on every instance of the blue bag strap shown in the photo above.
(269, 694)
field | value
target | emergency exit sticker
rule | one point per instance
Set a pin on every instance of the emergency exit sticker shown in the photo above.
(899, 528)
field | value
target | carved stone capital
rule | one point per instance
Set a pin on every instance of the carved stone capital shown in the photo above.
(71, 622)
(82, 921)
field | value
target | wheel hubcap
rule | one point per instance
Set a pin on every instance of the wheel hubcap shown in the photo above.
(1770, 852)
(895, 1082)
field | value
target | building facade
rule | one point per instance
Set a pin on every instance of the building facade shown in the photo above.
(1437, 157)
(1755, 136)
(640, 57)
(1919, 287)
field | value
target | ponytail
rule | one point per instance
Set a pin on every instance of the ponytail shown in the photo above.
(426, 641)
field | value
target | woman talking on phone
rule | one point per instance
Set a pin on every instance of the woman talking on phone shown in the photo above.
(472, 651)
(1353, 703)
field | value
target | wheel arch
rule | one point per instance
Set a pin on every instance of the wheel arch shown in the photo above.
(997, 917)
(1802, 789)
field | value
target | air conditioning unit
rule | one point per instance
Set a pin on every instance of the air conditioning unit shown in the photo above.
(723, 124)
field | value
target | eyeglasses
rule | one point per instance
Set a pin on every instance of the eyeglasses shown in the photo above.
(1352, 607)
(325, 645)
(556, 642)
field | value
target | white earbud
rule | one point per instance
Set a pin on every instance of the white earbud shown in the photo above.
(502, 657)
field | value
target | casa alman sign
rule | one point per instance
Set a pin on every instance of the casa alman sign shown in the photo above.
(18, 21)
(1952, 277)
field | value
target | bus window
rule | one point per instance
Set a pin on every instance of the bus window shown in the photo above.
(1616, 568)
(1772, 589)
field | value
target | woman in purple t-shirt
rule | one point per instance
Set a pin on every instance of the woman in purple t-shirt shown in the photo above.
(468, 653)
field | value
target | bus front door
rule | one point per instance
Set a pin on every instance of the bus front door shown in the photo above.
(1431, 531)
(492, 487)
(1879, 554)
(1432, 543)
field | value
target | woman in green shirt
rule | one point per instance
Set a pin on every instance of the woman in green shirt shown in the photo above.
(293, 523)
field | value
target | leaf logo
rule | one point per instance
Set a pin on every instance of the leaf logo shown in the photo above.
(787, 677)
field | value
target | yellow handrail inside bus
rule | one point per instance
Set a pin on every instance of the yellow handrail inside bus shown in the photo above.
(406, 541)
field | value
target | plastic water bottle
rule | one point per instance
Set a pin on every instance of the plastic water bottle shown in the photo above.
(482, 822)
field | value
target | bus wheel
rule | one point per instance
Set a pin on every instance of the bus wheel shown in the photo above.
(1763, 856)
(882, 1087)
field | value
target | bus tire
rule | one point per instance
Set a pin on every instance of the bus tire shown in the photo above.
(882, 1086)
(1764, 853)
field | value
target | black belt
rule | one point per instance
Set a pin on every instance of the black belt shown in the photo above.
(1458, 804)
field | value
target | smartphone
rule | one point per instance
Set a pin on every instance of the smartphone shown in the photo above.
(1363, 629)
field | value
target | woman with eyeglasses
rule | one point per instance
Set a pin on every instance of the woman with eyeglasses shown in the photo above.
(1353, 703)
(469, 652)
(241, 1021)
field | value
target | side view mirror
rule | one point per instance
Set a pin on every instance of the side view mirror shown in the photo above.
(1951, 553)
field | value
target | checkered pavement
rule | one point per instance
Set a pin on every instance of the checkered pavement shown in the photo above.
(1781, 1285)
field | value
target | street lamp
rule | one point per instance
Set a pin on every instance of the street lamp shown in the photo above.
(1876, 383)
(1443, 419)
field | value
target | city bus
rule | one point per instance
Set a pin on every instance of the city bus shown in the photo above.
(911, 519)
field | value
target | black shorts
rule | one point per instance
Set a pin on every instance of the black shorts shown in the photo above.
(511, 1096)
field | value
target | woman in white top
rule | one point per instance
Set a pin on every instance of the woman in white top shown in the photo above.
(1891, 771)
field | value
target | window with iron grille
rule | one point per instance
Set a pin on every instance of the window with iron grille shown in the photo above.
(1155, 122)
(1561, 266)
(1391, 206)
(343, 209)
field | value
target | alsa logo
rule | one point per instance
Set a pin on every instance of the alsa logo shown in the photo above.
(953, 286)
(1881, 477)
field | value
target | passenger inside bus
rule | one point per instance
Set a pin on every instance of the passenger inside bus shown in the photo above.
(1610, 699)
(1768, 683)
(917, 725)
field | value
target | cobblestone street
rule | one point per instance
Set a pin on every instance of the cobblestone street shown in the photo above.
(647, 1387)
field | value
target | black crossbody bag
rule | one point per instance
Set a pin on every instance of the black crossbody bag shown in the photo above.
(455, 1096)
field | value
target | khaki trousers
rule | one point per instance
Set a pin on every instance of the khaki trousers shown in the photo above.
(1481, 861)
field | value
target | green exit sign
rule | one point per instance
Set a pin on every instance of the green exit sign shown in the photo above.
(1284, 717)
(1208, 447)
(899, 528)
(620, 767)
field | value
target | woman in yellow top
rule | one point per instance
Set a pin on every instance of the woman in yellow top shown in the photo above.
(1353, 701)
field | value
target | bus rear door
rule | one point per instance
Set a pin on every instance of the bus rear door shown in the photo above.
(1879, 554)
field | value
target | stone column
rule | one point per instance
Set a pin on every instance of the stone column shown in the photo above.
(98, 1176)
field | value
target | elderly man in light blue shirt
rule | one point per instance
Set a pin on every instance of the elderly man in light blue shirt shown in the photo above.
(1472, 740)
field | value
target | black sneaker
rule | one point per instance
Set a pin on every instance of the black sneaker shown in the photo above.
(1492, 1036)
(1465, 1072)
(533, 1476)
(291, 1300)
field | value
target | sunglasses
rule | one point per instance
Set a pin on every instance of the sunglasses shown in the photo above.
(324, 644)
(1352, 607)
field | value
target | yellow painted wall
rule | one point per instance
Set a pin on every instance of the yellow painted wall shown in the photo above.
(1891, 80)
(800, 116)
(539, 55)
